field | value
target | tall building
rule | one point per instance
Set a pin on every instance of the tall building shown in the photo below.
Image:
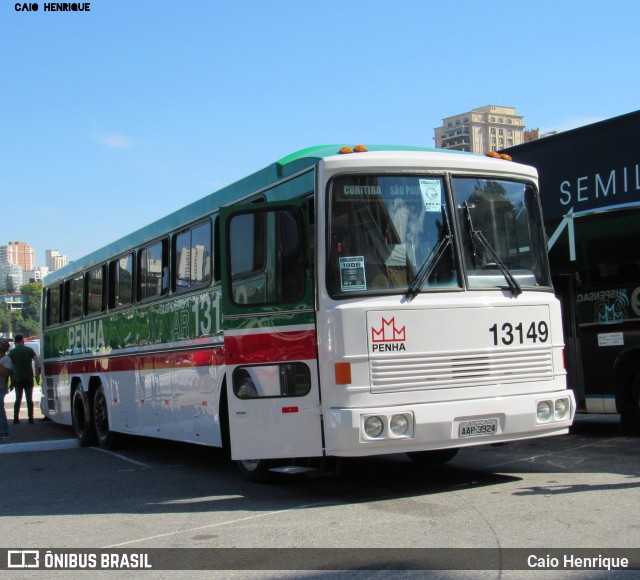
(481, 130)
(11, 277)
(18, 254)
(55, 260)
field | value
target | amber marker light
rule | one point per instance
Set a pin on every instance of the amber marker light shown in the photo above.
(360, 149)
(343, 373)
(344, 150)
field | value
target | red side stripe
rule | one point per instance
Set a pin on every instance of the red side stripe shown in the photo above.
(271, 347)
(141, 362)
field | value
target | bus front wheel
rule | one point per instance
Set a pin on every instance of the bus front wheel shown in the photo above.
(106, 438)
(255, 470)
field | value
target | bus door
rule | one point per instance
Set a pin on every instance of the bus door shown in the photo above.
(269, 324)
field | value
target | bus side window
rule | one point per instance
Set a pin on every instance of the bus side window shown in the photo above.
(247, 238)
(290, 271)
(73, 298)
(54, 294)
(153, 273)
(281, 380)
(95, 290)
(121, 281)
(267, 257)
(192, 257)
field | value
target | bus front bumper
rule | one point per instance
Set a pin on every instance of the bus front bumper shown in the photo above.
(428, 426)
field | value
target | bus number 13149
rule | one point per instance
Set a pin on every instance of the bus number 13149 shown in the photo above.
(509, 334)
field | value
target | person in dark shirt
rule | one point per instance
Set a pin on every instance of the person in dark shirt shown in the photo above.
(5, 372)
(24, 359)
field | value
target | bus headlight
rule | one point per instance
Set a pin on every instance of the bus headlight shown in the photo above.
(399, 425)
(545, 409)
(373, 427)
(561, 409)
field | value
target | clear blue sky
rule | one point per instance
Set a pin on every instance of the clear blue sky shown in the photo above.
(113, 118)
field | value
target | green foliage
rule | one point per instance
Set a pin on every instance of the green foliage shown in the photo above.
(26, 322)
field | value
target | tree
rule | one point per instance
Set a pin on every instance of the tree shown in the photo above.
(5, 319)
(29, 322)
(31, 293)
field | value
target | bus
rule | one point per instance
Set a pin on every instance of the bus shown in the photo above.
(345, 301)
(589, 182)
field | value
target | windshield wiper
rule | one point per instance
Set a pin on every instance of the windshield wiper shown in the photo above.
(434, 257)
(474, 234)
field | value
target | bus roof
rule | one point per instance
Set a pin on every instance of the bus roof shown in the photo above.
(282, 169)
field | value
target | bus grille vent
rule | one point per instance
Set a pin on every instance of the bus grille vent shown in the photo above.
(440, 370)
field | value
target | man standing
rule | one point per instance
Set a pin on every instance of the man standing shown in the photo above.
(24, 358)
(5, 373)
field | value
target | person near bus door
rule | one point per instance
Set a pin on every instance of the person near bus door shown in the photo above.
(24, 358)
(6, 366)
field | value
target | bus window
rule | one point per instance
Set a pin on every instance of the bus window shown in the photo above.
(267, 257)
(121, 280)
(383, 229)
(95, 294)
(54, 295)
(282, 380)
(192, 251)
(247, 233)
(74, 298)
(153, 271)
(502, 216)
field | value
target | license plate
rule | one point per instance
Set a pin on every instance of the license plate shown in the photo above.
(478, 428)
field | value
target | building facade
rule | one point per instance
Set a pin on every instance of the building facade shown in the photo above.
(18, 254)
(55, 260)
(481, 130)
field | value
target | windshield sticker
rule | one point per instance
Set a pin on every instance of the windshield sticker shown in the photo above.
(431, 190)
(352, 275)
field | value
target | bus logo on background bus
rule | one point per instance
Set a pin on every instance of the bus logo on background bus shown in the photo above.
(388, 337)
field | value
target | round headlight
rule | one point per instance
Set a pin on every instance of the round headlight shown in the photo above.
(399, 425)
(561, 409)
(373, 427)
(544, 410)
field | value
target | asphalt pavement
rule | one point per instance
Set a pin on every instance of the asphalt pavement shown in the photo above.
(25, 435)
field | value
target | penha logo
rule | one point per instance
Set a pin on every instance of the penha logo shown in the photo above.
(388, 337)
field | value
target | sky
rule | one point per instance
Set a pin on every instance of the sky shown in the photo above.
(115, 117)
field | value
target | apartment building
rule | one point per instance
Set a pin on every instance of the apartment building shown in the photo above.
(481, 130)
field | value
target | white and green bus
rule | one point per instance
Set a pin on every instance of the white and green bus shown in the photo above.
(341, 302)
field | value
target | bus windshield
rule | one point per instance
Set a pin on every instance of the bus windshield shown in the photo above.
(503, 233)
(384, 229)
(393, 233)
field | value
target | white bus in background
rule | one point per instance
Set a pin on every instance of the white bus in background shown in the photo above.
(341, 302)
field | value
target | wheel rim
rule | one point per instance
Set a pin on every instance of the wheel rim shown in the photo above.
(102, 420)
(250, 464)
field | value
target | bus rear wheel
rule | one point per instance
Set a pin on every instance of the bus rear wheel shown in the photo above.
(81, 418)
(106, 438)
(255, 470)
(432, 458)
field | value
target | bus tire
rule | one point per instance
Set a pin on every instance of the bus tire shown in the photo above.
(81, 418)
(255, 470)
(105, 437)
(433, 458)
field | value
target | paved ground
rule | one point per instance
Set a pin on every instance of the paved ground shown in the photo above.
(39, 430)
